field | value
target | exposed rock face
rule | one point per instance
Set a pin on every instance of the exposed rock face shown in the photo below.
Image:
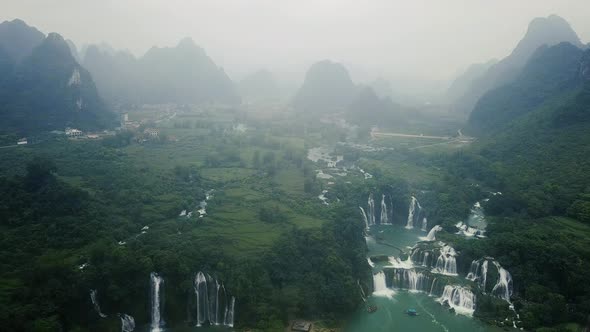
(49, 90)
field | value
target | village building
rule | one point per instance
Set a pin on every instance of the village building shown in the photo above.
(152, 133)
(73, 133)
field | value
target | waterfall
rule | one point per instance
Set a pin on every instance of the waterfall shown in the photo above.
(367, 224)
(420, 256)
(413, 212)
(424, 225)
(94, 300)
(371, 204)
(212, 301)
(200, 286)
(459, 298)
(503, 287)
(380, 286)
(127, 323)
(484, 276)
(411, 280)
(472, 275)
(371, 264)
(416, 280)
(432, 234)
(478, 272)
(425, 259)
(432, 287)
(446, 263)
(213, 287)
(156, 286)
(228, 319)
(384, 217)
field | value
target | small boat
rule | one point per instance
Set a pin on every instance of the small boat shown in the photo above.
(371, 309)
(411, 312)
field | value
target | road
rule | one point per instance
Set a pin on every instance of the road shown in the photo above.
(381, 134)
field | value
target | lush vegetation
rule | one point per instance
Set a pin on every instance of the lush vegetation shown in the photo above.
(72, 216)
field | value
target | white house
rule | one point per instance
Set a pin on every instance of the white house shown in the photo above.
(71, 132)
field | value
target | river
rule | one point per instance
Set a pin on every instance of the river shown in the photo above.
(390, 315)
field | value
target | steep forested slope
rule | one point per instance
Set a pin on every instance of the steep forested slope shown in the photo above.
(49, 90)
(550, 72)
(537, 157)
(549, 31)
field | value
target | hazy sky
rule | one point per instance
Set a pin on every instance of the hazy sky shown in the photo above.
(431, 39)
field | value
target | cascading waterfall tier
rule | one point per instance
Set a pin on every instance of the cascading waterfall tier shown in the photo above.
(384, 220)
(371, 205)
(127, 323)
(441, 258)
(412, 280)
(413, 212)
(432, 234)
(213, 305)
(446, 262)
(461, 299)
(503, 287)
(93, 293)
(380, 285)
(424, 225)
(475, 224)
(365, 219)
(157, 302)
(478, 273)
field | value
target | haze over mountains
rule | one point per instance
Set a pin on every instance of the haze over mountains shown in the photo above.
(42, 86)
(541, 31)
(185, 74)
(181, 74)
(190, 195)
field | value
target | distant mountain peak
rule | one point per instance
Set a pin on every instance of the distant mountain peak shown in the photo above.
(55, 37)
(187, 42)
(18, 39)
(327, 87)
(549, 31)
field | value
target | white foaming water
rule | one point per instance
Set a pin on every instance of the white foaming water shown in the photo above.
(200, 286)
(432, 234)
(411, 280)
(156, 285)
(380, 286)
(212, 301)
(478, 272)
(127, 323)
(384, 217)
(323, 197)
(459, 298)
(371, 204)
(228, 319)
(413, 210)
(366, 220)
(446, 263)
(371, 264)
(503, 287)
(424, 225)
(94, 300)
(398, 263)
